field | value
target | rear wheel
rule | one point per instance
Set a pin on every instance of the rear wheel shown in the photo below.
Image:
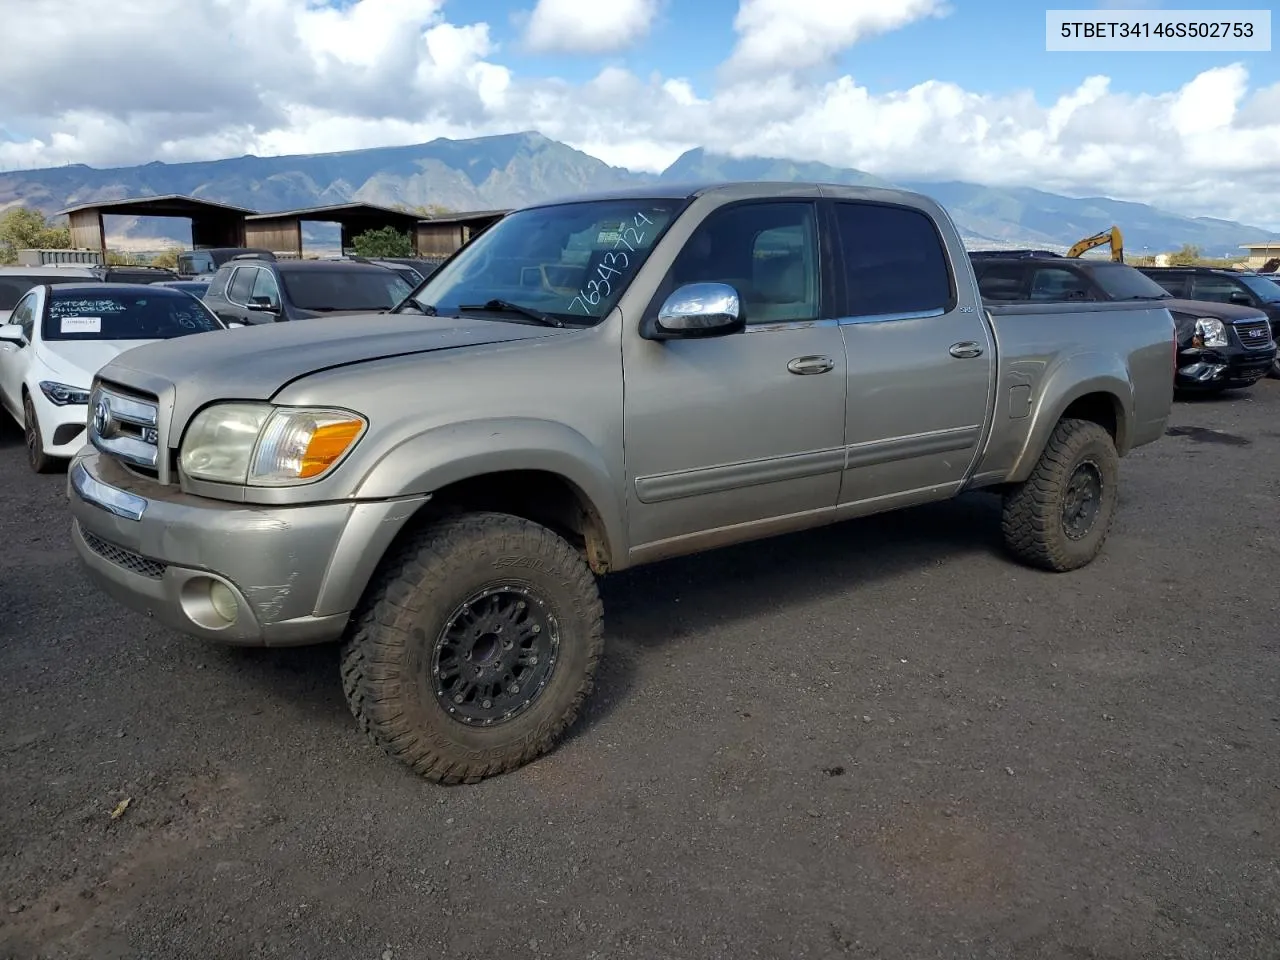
(36, 457)
(1059, 517)
(476, 647)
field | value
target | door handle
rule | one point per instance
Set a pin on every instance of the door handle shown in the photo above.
(965, 349)
(807, 365)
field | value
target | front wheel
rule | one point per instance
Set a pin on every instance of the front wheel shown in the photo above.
(476, 647)
(1058, 518)
(39, 461)
(1275, 368)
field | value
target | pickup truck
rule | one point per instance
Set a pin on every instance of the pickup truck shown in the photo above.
(590, 385)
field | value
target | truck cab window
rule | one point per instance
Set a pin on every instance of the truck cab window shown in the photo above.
(894, 261)
(767, 251)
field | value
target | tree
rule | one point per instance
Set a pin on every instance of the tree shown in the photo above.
(387, 242)
(23, 228)
(429, 210)
(167, 258)
(1187, 256)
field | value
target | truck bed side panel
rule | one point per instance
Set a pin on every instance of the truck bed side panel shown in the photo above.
(1051, 355)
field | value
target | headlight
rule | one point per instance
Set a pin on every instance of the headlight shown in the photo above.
(1210, 333)
(267, 446)
(61, 394)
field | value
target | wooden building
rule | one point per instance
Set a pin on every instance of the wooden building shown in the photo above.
(441, 236)
(281, 230)
(212, 224)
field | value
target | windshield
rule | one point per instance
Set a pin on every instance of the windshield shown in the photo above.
(1120, 282)
(13, 287)
(154, 315)
(571, 261)
(326, 290)
(1267, 290)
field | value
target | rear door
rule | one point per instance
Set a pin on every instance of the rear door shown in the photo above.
(919, 353)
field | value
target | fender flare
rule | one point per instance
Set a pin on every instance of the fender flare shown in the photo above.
(435, 458)
(1077, 376)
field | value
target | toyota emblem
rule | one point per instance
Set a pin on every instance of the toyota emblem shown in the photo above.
(101, 416)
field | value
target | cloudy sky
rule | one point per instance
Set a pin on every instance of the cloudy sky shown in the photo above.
(925, 89)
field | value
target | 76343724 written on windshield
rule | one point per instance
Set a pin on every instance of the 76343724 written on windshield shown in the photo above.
(570, 260)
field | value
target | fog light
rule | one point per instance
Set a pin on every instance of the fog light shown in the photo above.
(223, 601)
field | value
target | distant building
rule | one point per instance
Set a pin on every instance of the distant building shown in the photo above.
(1260, 253)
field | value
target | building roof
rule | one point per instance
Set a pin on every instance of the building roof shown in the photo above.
(464, 216)
(336, 211)
(168, 205)
(1261, 245)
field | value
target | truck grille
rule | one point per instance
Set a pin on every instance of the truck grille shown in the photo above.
(133, 562)
(1254, 334)
(125, 424)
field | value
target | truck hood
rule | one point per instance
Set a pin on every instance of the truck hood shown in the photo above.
(1226, 312)
(255, 362)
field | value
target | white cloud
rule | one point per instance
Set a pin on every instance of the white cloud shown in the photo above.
(588, 26)
(286, 84)
(787, 35)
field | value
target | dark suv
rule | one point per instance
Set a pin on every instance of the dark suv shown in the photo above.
(1224, 286)
(251, 289)
(1220, 345)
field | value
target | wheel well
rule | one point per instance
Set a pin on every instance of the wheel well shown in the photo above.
(1100, 408)
(537, 495)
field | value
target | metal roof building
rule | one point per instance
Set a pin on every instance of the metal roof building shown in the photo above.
(212, 224)
(440, 236)
(281, 230)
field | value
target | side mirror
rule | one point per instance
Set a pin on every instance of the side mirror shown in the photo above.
(1241, 298)
(698, 310)
(12, 333)
(263, 305)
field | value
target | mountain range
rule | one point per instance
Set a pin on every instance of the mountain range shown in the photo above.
(513, 169)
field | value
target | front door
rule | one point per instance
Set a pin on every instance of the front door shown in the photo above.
(726, 434)
(920, 357)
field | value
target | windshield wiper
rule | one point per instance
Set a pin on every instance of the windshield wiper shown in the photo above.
(509, 307)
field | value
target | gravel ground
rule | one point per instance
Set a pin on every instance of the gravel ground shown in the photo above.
(882, 739)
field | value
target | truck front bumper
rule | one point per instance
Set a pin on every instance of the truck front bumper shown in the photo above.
(233, 573)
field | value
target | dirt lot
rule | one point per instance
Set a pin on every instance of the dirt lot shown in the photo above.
(877, 740)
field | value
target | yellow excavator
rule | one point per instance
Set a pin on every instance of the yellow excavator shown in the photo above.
(1112, 236)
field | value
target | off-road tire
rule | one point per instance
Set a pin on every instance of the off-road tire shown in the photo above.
(1033, 525)
(387, 657)
(38, 460)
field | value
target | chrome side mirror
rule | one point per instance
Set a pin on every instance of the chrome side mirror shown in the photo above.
(698, 310)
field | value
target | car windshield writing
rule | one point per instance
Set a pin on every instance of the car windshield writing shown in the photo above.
(328, 290)
(125, 316)
(1267, 290)
(570, 260)
(13, 287)
(1121, 282)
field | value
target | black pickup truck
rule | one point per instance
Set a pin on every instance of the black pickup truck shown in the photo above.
(1220, 345)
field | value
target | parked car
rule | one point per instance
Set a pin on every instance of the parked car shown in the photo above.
(197, 288)
(253, 291)
(1243, 289)
(1219, 345)
(204, 263)
(60, 334)
(586, 387)
(16, 281)
(423, 268)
